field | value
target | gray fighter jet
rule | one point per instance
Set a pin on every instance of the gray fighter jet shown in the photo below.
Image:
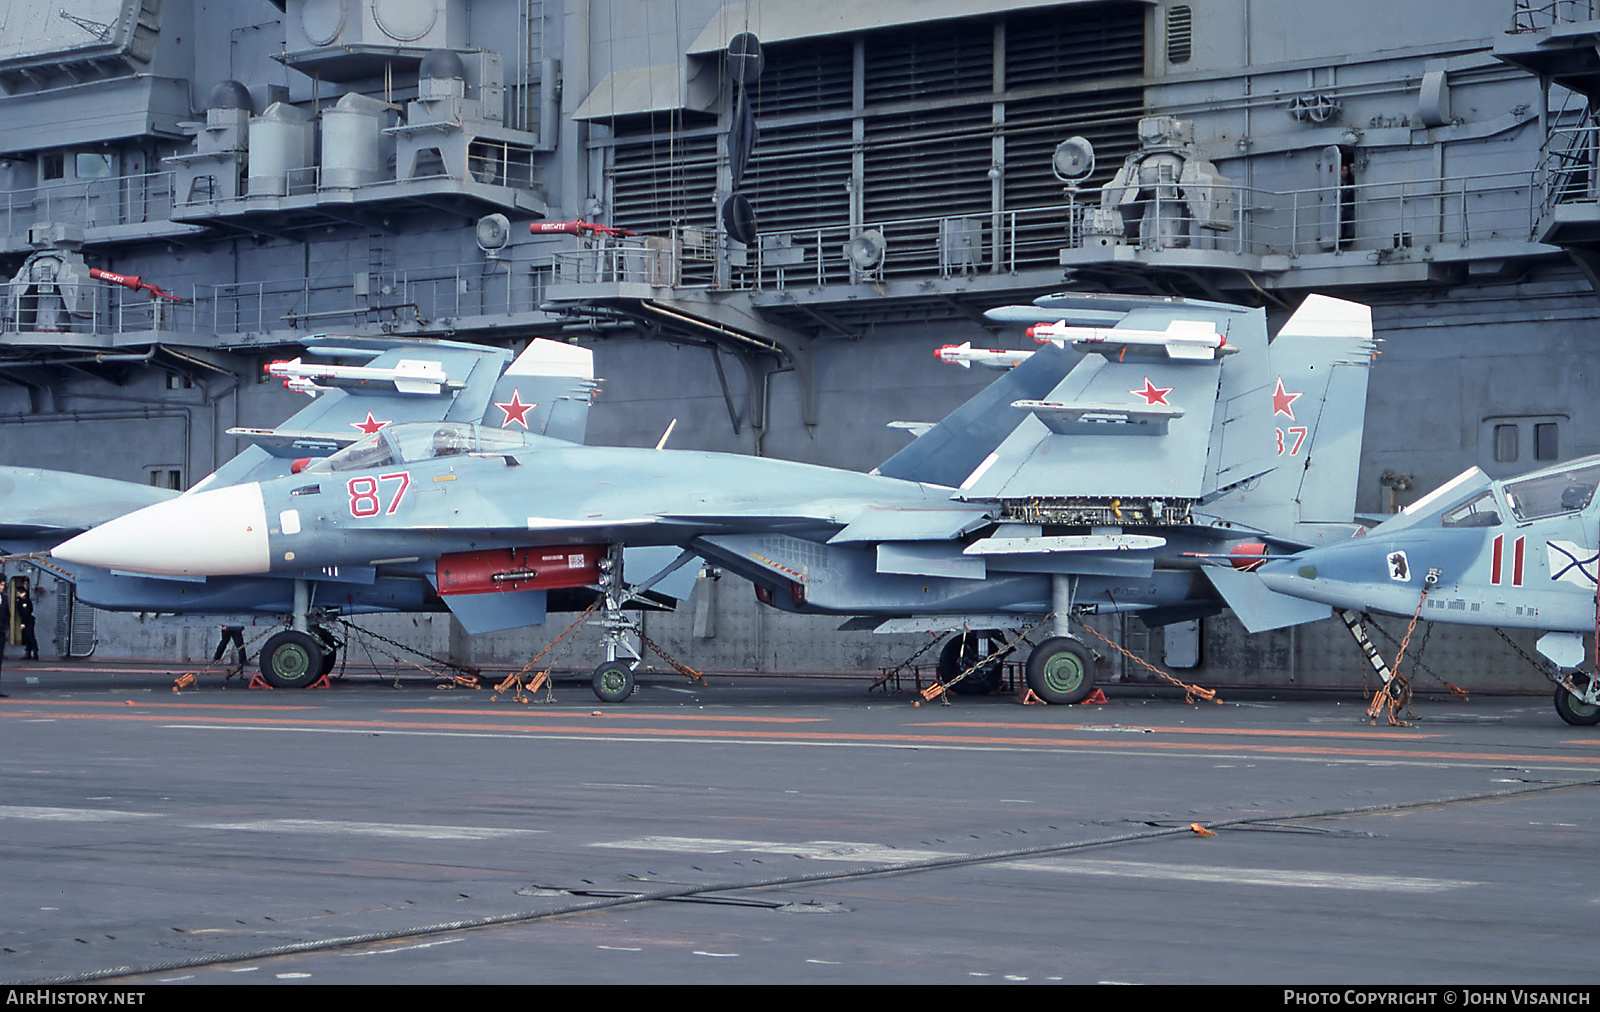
(1074, 484)
(546, 390)
(1518, 554)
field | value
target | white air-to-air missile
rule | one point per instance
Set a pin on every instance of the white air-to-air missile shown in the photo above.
(406, 376)
(965, 355)
(1067, 486)
(1182, 339)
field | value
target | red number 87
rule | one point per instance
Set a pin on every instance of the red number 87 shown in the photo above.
(364, 494)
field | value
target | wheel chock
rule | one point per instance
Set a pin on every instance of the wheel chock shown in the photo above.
(936, 689)
(1200, 830)
(257, 682)
(184, 681)
(1029, 697)
(1096, 697)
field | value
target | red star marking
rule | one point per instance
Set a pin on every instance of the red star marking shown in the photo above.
(1153, 394)
(515, 410)
(369, 426)
(1283, 401)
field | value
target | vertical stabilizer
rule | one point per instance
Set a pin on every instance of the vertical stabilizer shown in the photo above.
(547, 390)
(1318, 397)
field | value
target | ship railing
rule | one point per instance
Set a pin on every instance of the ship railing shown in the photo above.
(1375, 218)
(91, 203)
(1539, 15)
(90, 307)
(1570, 158)
(649, 261)
(387, 300)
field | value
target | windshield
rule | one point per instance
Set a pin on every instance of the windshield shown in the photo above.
(1479, 511)
(412, 442)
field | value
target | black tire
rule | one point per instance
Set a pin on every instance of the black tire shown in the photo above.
(1573, 710)
(613, 681)
(292, 660)
(1061, 670)
(958, 655)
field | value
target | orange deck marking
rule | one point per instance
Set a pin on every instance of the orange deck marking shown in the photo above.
(289, 707)
(611, 714)
(1125, 728)
(599, 729)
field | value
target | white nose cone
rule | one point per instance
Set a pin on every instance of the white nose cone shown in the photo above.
(220, 533)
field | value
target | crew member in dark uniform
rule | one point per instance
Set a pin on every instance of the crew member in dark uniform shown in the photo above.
(5, 625)
(230, 634)
(30, 645)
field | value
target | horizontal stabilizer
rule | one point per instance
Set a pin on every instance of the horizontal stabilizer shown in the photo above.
(292, 444)
(1258, 607)
(1102, 419)
(1074, 440)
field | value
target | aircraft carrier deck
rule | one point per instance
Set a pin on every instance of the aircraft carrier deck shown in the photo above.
(781, 831)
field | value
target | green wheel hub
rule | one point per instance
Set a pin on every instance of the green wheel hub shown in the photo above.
(1064, 672)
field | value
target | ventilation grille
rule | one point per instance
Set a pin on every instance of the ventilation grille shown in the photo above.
(805, 77)
(928, 127)
(660, 181)
(1180, 34)
(800, 178)
(1074, 44)
(1109, 119)
(953, 59)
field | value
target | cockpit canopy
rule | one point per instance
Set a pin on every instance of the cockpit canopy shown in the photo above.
(1548, 493)
(414, 442)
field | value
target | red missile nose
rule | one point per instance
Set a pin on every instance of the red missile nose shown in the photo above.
(1030, 330)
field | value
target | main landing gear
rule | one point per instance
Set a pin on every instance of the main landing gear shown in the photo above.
(613, 680)
(962, 652)
(293, 659)
(1060, 670)
(302, 655)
